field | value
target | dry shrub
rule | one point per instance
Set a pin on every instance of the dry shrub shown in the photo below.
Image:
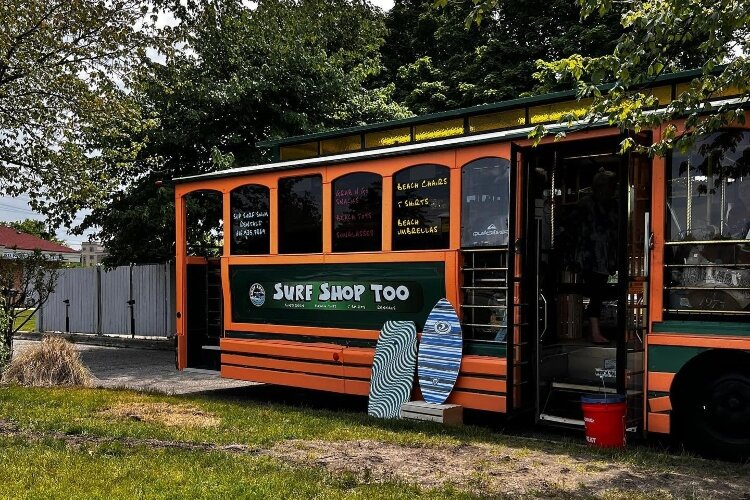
(53, 361)
(173, 415)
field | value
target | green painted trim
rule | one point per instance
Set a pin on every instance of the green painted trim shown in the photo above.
(738, 329)
(461, 112)
(485, 348)
(670, 359)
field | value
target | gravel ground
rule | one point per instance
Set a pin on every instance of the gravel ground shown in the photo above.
(143, 370)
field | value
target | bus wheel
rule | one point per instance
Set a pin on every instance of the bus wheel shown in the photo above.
(716, 415)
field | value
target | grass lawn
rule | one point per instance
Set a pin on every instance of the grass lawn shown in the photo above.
(95, 443)
(30, 325)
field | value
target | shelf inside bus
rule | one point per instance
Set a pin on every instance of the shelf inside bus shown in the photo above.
(585, 386)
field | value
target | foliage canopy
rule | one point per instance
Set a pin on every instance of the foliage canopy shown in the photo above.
(242, 75)
(659, 37)
(64, 69)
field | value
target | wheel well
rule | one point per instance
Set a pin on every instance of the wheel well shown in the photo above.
(706, 364)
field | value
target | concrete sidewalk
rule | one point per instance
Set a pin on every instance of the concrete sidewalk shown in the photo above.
(143, 370)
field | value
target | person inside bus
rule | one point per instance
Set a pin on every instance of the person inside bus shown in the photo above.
(596, 245)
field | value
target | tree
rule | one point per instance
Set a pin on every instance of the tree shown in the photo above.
(38, 228)
(659, 37)
(439, 62)
(284, 68)
(65, 66)
(27, 280)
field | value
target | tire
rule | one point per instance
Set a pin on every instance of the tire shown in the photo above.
(714, 417)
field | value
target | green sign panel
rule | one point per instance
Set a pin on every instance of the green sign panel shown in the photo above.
(362, 296)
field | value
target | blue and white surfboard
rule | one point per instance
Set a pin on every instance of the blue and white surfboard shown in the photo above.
(439, 358)
(393, 369)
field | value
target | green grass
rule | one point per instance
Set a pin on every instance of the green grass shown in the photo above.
(261, 424)
(30, 325)
(51, 468)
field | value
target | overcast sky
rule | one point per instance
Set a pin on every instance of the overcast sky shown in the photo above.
(17, 209)
(383, 4)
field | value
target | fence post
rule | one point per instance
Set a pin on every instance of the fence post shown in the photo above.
(131, 303)
(39, 324)
(98, 300)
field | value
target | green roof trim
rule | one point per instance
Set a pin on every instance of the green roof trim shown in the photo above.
(671, 78)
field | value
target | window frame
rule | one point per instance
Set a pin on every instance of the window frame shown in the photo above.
(392, 214)
(332, 221)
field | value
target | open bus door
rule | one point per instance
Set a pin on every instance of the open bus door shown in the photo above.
(521, 345)
(585, 211)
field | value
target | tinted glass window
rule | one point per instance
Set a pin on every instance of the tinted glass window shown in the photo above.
(301, 214)
(485, 202)
(357, 212)
(707, 268)
(708, 190)
(421, 208)
(205, 224)
(250, 220)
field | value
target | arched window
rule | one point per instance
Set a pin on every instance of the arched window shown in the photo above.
(421, 208)
(357, 212)
(485, 203)
(301, 214)
(250, 220)
(204, 228)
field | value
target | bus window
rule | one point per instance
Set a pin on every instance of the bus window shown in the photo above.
(421, 208)
(250, 220)
(485, 202)
(357, 212)
(301, 214)
(204, 223)
(707, 255)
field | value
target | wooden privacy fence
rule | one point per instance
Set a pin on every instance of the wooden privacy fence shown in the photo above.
(126, 300)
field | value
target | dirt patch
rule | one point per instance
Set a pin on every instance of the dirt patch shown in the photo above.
(500, 470)
(162, 413)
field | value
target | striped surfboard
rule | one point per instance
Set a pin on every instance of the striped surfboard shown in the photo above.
(440, 351)
(393, 369)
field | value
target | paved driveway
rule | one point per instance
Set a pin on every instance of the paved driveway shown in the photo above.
(143, 370)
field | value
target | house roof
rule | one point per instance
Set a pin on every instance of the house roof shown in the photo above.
(11, 238)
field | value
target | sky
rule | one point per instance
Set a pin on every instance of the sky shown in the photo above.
(17, 208)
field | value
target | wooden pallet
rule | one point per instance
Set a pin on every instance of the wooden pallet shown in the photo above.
(421, 410)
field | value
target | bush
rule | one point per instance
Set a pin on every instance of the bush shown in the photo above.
(54, 361)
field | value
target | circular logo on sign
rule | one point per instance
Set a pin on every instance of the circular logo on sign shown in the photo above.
(442, 327)
(257, 294)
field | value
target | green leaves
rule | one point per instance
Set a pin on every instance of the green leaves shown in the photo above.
(665, 36)
(65, 69)
(243, 75)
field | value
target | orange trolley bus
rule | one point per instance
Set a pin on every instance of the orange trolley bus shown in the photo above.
(574, 269)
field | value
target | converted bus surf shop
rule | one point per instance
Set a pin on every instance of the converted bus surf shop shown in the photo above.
(574, 269)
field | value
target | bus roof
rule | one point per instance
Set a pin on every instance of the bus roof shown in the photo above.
(472, 125)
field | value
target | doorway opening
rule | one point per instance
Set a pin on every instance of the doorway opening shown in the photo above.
(204, 312)
(586, 224)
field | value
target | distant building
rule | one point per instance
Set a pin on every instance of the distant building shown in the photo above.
(15, 244)
(92, 253)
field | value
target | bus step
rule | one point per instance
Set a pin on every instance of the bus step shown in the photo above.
(560, 420)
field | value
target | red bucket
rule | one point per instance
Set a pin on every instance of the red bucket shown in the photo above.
(604, 418)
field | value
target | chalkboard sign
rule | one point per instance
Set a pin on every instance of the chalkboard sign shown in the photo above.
(421, 208)
(357, 212)
(250, 220)
(485, 203)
